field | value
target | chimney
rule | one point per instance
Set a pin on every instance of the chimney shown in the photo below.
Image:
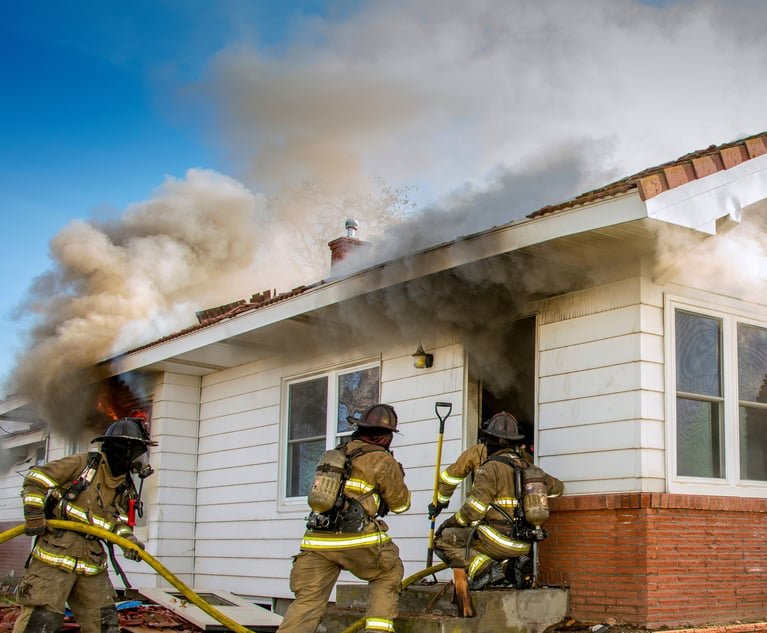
(341, 247)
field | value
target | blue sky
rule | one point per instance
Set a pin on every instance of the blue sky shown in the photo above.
(463, 103)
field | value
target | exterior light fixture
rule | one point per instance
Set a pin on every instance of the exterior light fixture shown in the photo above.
(422, 360)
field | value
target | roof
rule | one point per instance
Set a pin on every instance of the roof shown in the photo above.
(648, 183)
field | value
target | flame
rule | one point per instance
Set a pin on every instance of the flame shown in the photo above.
(105, 407)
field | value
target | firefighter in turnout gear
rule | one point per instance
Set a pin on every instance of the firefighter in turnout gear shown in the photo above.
(489, 537)
(67, 567)
(352, 536)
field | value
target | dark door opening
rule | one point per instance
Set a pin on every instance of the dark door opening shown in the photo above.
(514, 391)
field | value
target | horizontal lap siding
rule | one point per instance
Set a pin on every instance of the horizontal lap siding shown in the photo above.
(244, 537)
(601, 389)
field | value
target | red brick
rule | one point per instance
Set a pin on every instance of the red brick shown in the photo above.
(679, 174)
(707, 165)
(756, 146)
(652, 185)
(732, 156)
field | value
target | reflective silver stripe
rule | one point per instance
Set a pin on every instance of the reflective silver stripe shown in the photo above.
(506, 502)
(358, 485)
(34, 499)
(520, 547)
(123, 529)
(81, 514)
(478, 561)
(122, 518)
(377, 624)
(319, 542)
(68, 562)
(477, 504)
(443, 499)
(450, 480)
(36, 475)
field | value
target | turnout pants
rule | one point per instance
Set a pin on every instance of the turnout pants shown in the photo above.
(487, 545)
(45, 590)
(315, 573)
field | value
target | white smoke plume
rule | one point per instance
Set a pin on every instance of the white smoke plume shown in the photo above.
(488, 109)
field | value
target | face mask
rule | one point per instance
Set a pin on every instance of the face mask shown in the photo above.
(120, 455)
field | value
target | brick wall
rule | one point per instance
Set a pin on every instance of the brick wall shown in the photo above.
(659, 559)
(13, 553)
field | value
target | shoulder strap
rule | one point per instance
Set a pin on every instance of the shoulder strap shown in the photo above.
(504, 459)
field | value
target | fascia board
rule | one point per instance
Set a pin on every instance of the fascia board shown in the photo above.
(12, 403)
(23, 439)
(699, 203)
(496, 241)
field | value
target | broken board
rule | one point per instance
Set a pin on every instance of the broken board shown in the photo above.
(238, 609)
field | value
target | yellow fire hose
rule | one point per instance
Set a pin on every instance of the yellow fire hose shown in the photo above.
(147, 558)
(408, 581)
(175, 581)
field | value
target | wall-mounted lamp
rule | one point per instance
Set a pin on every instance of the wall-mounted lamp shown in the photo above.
(422, 360)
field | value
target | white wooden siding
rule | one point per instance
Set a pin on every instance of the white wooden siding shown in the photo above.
(245, 537)
(601, 388)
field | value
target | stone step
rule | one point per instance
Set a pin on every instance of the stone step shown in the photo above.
(428, 608)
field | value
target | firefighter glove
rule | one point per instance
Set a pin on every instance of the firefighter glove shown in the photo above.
(34, 522)
(435, 509)
(132, 554)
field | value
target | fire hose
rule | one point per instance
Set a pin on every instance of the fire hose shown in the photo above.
(101, 533)
(190, 595)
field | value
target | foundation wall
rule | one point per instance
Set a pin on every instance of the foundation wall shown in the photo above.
(657, 559)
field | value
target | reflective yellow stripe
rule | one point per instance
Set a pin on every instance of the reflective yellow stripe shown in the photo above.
(123, 529)
(42, 478)
(403, 508)
(357, 485)
(68, 563)
(518, 547)
(377, 624)
(81, 514)
(122, 518)
(477, 504)
(506, 502)
(33, 499)
(317, 541)
(459, 518)
(443, 499)
(450, 480)
(476, 564)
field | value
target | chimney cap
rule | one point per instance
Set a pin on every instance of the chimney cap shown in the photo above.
(351, 227)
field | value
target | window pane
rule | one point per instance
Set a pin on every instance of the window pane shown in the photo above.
(699, 438)
(753, 444)
(752, 363)
(302, 462)
(357, 391)
(307, 409)
(697, 354)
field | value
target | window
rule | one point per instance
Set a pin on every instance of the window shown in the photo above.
(720, 374)
(317, 412)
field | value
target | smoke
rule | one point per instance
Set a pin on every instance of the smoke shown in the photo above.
(127, 282)
(488, 110)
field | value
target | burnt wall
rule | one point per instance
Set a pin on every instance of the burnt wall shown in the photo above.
(658, 559)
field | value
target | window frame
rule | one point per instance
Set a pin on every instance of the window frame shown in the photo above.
(284, 502)
(729, 317)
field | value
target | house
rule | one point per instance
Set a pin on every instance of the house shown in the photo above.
(627, 330)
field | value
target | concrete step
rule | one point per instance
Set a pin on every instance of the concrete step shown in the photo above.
(428, 608)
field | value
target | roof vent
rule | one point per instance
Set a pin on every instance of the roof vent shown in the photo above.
(342, 246)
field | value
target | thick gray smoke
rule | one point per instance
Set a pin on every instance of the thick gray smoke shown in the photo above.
(128, 282)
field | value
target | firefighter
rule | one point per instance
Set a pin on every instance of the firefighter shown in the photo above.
(359, 541)
(68, 567)
(480, 540)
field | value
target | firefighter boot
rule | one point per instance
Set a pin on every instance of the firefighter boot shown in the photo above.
(38, 620)
(109, 620)
(520, 572)
(493, 575)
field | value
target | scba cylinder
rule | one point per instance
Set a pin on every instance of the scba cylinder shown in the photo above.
(535, 499)
(327, 481)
